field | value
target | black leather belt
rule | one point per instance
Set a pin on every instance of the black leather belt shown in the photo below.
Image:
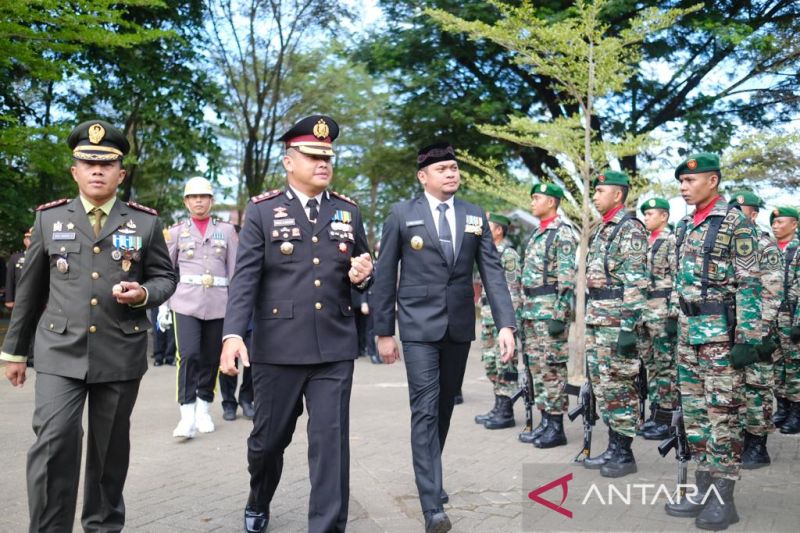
(660, 293)
(702, 308)
(540, 291)
(606, 294)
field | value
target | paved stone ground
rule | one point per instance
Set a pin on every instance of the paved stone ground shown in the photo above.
(201, 485)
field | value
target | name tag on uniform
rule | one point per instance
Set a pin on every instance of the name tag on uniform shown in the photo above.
(412, 223)
(283, 222)
(63, 235)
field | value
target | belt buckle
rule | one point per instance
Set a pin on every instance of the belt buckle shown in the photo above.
(207, 280)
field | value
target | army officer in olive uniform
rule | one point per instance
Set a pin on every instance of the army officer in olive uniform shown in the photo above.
(301, 250)
(97, 264)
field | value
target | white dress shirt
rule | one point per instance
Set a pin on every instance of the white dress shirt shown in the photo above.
(304, 200)
(450, 215)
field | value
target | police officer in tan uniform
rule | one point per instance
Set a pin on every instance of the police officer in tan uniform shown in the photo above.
(203, 249)
(95, 265)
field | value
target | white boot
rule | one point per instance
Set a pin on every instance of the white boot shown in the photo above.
(186, 427)
(203, 417)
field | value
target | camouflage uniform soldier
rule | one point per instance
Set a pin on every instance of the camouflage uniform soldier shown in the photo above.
(548, 280)
(617, 281)
(659, 325)
(759, 378)
(502, 374)
(787, 360)
(718, 288)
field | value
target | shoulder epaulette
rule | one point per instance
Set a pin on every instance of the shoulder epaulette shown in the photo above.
(343, 197)
(140, 207)
(265, 196)
(54, 203)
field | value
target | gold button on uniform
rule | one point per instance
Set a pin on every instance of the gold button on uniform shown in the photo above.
(317, 283)
(314, 239)
(135, 328)
(52, 325)
(96, 249)
(316, 261)
(63, 249)
(95, 275)
(275, 311)
(93, 301)
(318, 305)
(92, 329)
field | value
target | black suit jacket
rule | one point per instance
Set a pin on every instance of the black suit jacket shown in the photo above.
(299, 301)
(433, 299)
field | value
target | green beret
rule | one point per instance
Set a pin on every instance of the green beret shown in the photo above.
(549, 189)
(500, 219)
(784, 212)
(655, 203)
(698, 163)
(748, 198)
(97, 140)
(612, 177)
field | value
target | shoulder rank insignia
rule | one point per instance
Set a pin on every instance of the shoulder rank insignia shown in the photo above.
(343, 197)
(54, 203)
(144, 208)
(265, 196)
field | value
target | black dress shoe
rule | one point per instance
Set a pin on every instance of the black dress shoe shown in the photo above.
(376, 359)
(458, 399)
(436, 521)
(255, 521)
(229, 412)
(248, 411)
(170, 362)
(444, 497)
(158, 362)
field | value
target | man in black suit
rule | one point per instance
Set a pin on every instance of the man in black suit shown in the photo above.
(438, 239)
(300, 251)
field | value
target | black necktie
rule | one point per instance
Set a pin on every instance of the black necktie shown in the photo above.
(312, 210)
(445, 236)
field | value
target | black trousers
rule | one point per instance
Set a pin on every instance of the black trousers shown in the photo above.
(227, 384)
(435, 372)
(163, 341)
(279, 392)
(54, 460)
(199, 343)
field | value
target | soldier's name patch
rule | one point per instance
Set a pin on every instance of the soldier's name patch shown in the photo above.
(284, 222)
(63, 235)
(412, 223)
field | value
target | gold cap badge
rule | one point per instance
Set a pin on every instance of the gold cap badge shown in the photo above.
(775, 212)
(321, 129)
(601, 178)
(740, 199)
(652, 203)
(692, 164)
(543, 188)
(96, 133)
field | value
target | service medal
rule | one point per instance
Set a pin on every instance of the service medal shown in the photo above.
(343, 247)
(287, 248)
(126, 265)
(116, 255)
(416, 242)
(62, 265)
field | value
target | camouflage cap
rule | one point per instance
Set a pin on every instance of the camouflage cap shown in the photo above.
(500, 219)
(784, 212)
(655, 203)
(550, 189)
(748, 198)
(612, 177)
(698, 163)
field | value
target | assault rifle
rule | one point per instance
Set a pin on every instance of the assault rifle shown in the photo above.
(677, 440)
(526, 393)
(641, 389)
(587, 408)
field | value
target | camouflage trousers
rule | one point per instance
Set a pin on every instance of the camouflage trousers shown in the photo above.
(547, 361)
(658, 353)
(504, 376)
(713, 400)
(787, 367)
(612, 378)
(759, 380)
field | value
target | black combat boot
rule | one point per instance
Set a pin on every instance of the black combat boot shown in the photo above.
(755, 452)
(718, 515)
(554, 434)
(596, 462)
(689, 507)
(792, 424)
(782, 413)
(503, 417)
(650, 422)
(529, 436)
(621, 463)
(660, 428)
(480, 419)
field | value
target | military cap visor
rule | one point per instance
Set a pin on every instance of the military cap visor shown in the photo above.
(612, 177)
(97, 140)
(697, 164)
(313, 135)
(655, 203)
(500, 219)
(779, 212)
(548, 189)
(435, 153)
(747, 198)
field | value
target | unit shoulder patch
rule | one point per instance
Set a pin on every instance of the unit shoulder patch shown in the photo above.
(265, 196)
(54, 203)
(143, 208)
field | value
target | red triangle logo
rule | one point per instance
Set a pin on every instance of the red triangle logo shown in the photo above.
(562, 482)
